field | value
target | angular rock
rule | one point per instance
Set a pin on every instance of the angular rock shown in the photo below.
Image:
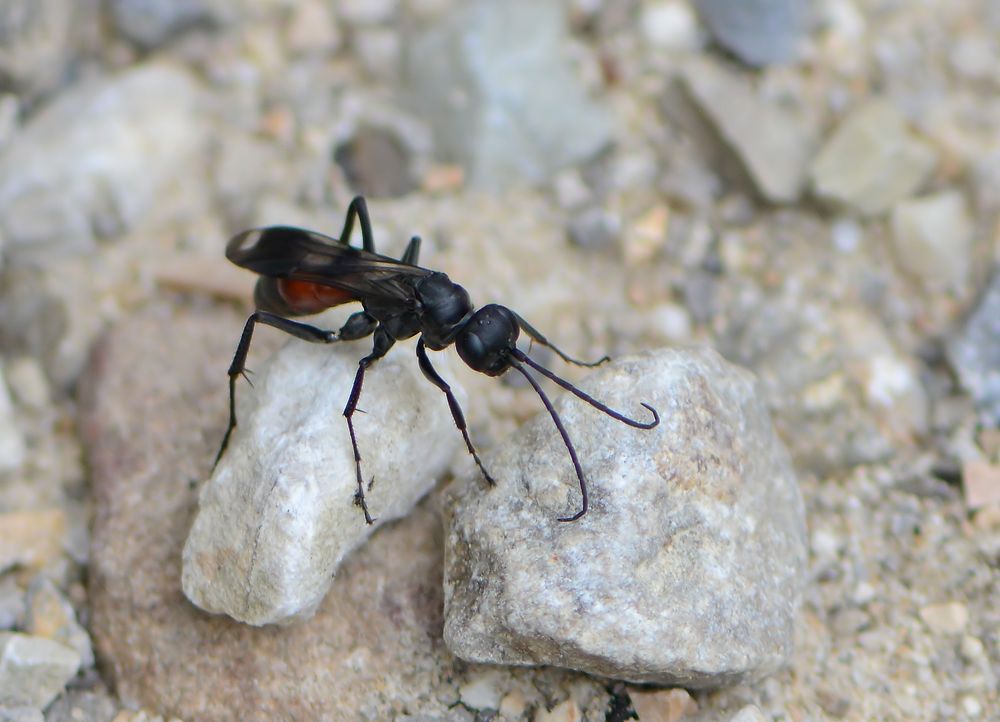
(12, 448)
(33, 670)
(82, 706)
(775, 149)
(153, 410)
(871, 161)
(932, 240)
(758, 32)
(151, 23)
(277, 517)
(493, 82)
(100, 157)
(975, 354)
(688, 567)
(36, 41)
(31, 538)
(51, 616)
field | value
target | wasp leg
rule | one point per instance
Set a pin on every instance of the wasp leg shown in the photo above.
(383, 342)
(359, 324)
(456, 410)
(412, 252)
(358, 208)
(539, 338)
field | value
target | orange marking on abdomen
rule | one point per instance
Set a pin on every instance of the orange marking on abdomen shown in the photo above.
(306, 297)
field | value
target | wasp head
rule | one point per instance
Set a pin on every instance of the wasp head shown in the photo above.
(486, 341)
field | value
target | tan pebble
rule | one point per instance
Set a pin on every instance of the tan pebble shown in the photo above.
(31, 538)
(981, 482)
(663, 705)
(945, 618)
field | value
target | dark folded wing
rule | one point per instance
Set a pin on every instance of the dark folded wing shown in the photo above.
(296, 253)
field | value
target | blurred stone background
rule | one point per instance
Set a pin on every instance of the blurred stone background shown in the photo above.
(813, 188)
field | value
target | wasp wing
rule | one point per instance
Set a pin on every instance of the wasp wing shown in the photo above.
(299, 254)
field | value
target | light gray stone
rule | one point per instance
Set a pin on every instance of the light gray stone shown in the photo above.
(50, 615)
(872, 161)
(151, 23)
(12, 445)
(975, 354)
(277, 516)
(99, 158)
(932, 240)
(687, 569)
(775, 149)
(33, 670)
(758, 32)
(493, 82)
(21, 714)
(35, 42)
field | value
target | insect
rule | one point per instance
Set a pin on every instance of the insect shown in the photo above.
(303, 272)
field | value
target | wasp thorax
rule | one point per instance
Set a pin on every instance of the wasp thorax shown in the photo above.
(445, 306)
(486, 341)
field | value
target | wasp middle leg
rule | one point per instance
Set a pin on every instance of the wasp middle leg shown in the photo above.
(358, 325)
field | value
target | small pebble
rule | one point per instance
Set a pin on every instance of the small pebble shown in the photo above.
(12, 444)
(594, 228)
(981, 482)
(750, 713)
(483, 691)
(662, 705)
(871, 161)
(669, 25)
(31, 538)
(932, 239)
(946, 617)
(28, 383)
(33, 670)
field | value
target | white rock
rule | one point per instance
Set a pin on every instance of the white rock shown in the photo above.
(12, 446)
(277, 516)
(101, 156)
(33, 670)
(932, 240)
(687, 567)
(871, 161)
(669, 24)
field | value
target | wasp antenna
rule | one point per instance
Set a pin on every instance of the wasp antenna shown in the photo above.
(535, 335)
(521, 356)
(565, 438)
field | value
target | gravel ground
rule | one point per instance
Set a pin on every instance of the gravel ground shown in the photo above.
(811, 188)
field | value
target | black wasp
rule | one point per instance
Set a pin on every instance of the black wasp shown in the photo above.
(303, 272)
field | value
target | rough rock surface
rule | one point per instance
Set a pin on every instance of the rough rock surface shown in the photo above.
(277, 517)
(374, 647)
(689, 565)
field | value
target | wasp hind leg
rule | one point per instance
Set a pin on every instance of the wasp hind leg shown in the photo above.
(357, 326)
